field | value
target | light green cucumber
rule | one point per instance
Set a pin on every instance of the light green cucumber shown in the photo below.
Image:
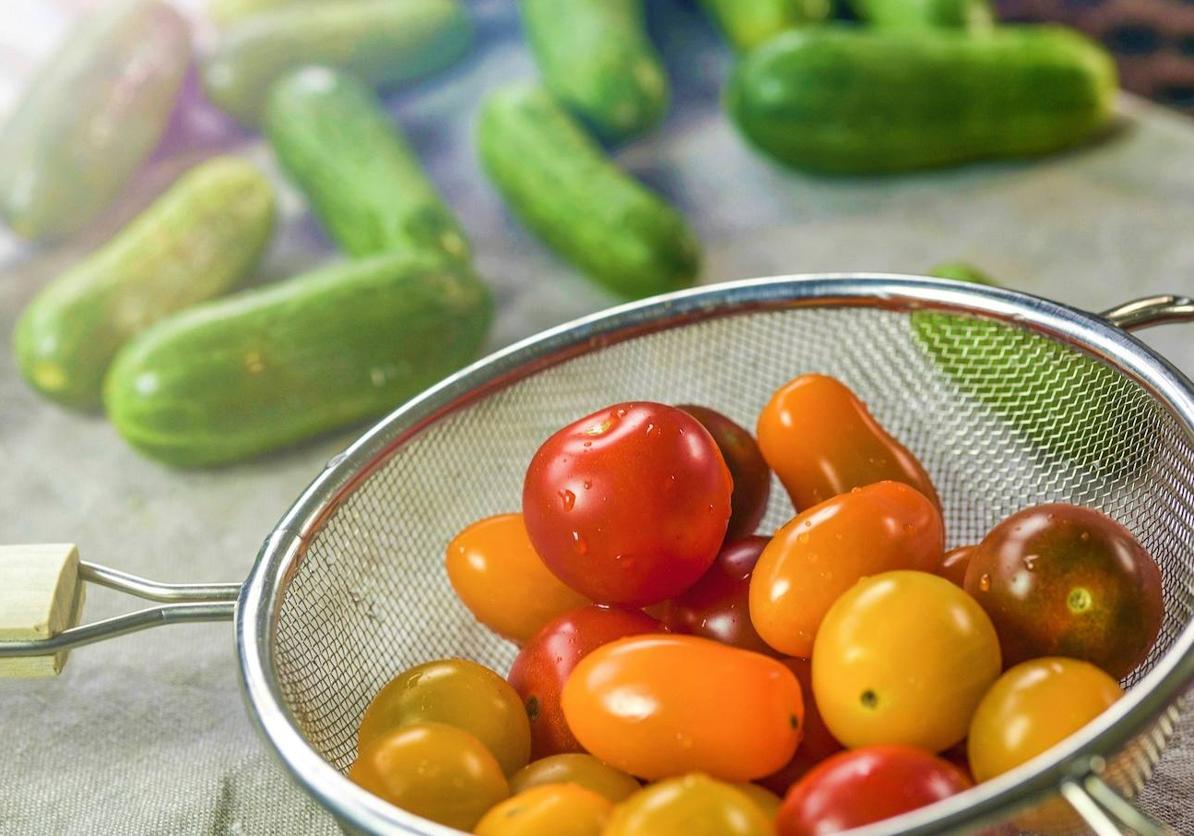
(849, 100)
(1070, 410)
(351, 161)
(195, 242)
(748, 23)
(921, 14)
(384, 42)
(231, 12)
(596, 59)
(272, 366)
(90, 116)
(560, 183)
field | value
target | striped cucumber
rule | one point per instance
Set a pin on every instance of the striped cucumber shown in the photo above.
(384, 42)
(272, 366)
(351, 161)
(198, 240)
(558, 181)
(91, 115)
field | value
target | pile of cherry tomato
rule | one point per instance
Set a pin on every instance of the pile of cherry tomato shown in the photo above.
(843, 670)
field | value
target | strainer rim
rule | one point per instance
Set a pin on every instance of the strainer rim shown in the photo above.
(260, 599)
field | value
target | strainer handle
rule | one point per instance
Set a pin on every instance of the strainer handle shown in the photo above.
(41, 600)
(1106, 812)
(1150, 311)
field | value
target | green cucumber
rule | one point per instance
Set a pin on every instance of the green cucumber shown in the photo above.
(960, 271)
(1068, 409)
(848, 100)
(333, 138)
(748, 23)
(195, 242)
(91, 115)
(275, 365)
(921, 14)
(558, 181)
(384, 42)
(596, 59)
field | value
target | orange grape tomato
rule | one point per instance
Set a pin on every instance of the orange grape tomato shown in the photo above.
(903, 658)
(1063, 580)
(548, 810)
(432, 770)
(692, 805)
(954, 564)
(826, 549)
(501, 579)
(578, 768)
(1032, 707)
(816, 745)
(459, 693)
(663, 705)
(821, 441)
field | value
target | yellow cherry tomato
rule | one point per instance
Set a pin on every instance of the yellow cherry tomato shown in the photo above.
(548, 810)
(459, 693)
(764, 799)
(1033, 706)
(498, 575)
(576, 768)
(692, 805)
(432, 770)
(903, 658)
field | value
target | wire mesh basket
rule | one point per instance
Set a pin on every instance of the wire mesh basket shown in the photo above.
(1007, 399)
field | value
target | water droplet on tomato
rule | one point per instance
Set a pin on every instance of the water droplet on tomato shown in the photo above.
(855, 490)
(802, 539)
(587, 484)
(588, 444)
(984, 583)
(621, 413)
(1084, 536)
(568, 498)
(1030, 561)
(578, 543)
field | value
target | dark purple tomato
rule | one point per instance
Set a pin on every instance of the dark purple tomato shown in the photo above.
(748, 469)
(1062, 580)
(718, 605)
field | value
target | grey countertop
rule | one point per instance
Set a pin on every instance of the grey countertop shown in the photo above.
(148, 734)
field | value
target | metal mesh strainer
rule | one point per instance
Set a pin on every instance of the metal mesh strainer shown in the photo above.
(1034, 402)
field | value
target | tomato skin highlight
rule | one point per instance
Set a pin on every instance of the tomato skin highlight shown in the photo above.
(821, 441)
(718, 605)
(1063, 580)
(1032, 707)
(823, 552)
(497, 574)
(628, 505)
(818, 742)
(867, 785)
(748, 470)
(955, 563)
(548, 810)
(903, 658)
(661, 706)
(544, 663)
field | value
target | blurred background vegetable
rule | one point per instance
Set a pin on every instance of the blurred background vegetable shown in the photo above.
(91, 114)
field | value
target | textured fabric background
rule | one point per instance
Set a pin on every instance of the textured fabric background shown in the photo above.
(148, 734)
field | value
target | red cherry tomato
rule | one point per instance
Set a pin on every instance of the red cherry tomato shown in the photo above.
(955, 563)
(1062, 580)
(662, 706)
(544, 663)
(864, 786)
(628, 505)
(816, 745)
(821, 441)
(718, 605)
(748, 469)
